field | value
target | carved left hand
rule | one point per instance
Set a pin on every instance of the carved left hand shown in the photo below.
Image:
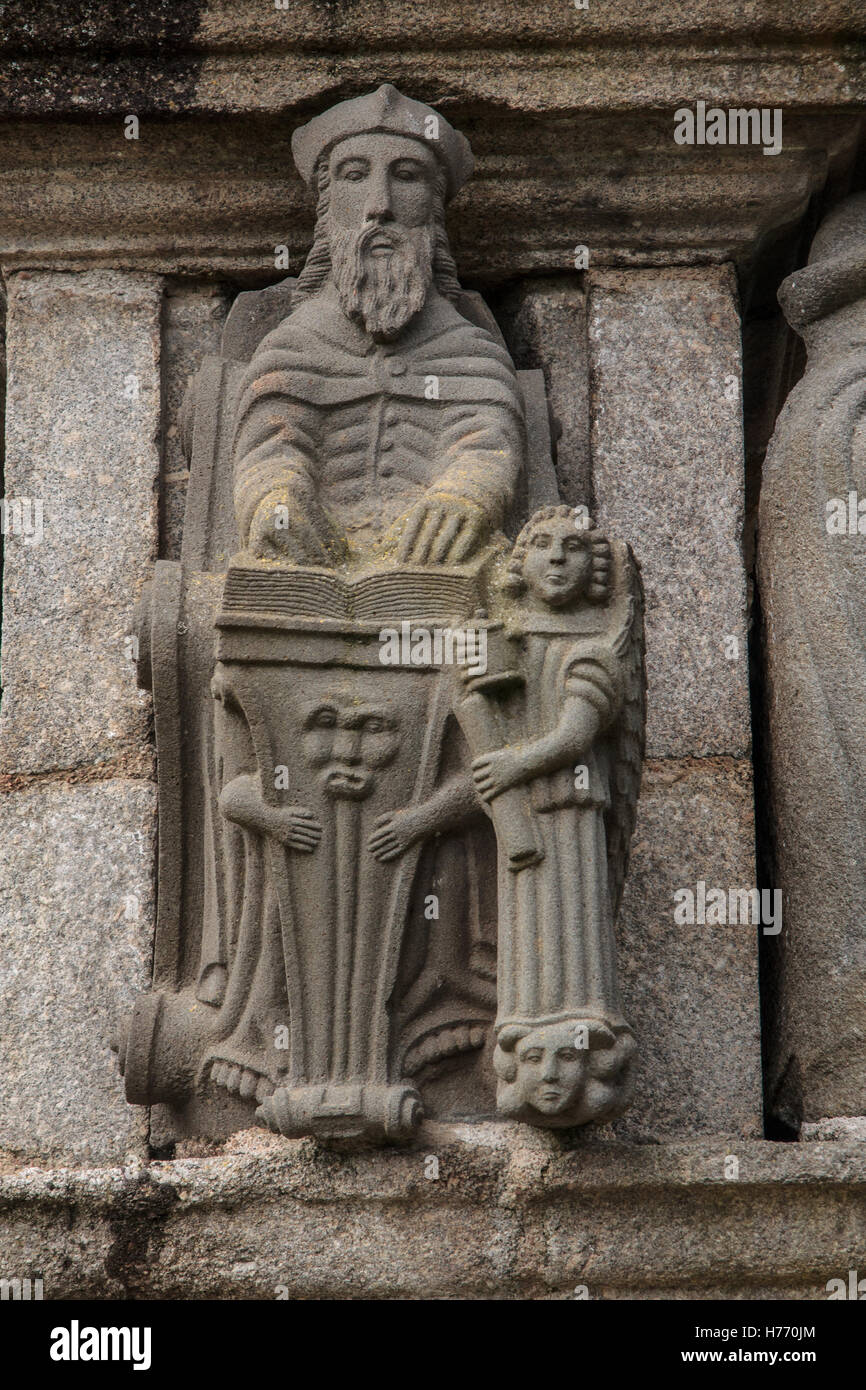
(392, 835)
(442, 530)
(495, 772)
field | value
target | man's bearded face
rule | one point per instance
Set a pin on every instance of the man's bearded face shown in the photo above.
(382, 273)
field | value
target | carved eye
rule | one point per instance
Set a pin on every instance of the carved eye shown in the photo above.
(533, 1055)
(567, 1054)
(374, 724)
(572, 543)
(541, 542)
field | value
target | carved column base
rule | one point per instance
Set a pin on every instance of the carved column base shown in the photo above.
(160, 1050)
(343, 1111)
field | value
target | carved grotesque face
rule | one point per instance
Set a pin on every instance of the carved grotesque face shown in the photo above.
(558, 563)
(381, 228)
(551, 1069)
(349, 742)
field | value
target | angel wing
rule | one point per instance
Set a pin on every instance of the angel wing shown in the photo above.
(629, 739)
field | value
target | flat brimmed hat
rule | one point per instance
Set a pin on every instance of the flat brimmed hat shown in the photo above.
(386, 110)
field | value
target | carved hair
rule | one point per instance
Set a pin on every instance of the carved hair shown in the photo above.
(600, 581)
(317, 266)
(504, 1055)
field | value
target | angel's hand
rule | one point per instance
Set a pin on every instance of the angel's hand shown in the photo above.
(495, 773)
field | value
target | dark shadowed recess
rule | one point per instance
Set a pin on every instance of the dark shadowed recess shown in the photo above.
(2, 449)
(102, 56)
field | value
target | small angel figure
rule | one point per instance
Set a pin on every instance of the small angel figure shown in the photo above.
(567, 738)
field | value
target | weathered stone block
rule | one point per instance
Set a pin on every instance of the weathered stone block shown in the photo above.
(512, 1214)
(668, 474)
(193, 319)
(690, 992)
(544, 324)
(76, 909)
(83, 415)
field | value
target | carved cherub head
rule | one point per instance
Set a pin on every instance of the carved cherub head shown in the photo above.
(565, 1073)
(559, 561)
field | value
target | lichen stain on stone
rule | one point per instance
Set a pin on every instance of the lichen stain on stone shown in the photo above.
(109, 65)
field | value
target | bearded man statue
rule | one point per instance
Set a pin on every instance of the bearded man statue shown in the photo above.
(376, 420)
(379, 437)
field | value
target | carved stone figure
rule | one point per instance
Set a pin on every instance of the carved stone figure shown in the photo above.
(328, 927)
(564, 1052)
(812, 553)
(558, 738)
(376, 416)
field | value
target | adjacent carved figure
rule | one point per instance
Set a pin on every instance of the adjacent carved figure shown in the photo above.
(812, 572)
(331, 821)
(563, 723)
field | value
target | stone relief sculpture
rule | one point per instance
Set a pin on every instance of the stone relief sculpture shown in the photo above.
(562, 729)
(813, 594)
(574, 740)
(333, 953)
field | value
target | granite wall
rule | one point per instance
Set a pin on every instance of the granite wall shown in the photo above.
(122, 247)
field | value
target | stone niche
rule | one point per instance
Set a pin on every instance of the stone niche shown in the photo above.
(303, 374)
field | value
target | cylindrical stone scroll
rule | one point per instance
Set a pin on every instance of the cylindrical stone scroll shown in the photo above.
(515, 832)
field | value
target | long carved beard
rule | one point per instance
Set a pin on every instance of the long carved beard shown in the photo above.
(382, 292)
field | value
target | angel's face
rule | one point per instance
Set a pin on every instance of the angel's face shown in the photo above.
(557, 567)
(550, 1068)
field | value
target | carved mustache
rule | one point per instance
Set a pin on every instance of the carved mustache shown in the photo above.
(394, 236)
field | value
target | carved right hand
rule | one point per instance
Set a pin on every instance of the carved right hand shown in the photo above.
(495, 773)
(297, 827)
(284, 528)
(241, 801)
(440, 530)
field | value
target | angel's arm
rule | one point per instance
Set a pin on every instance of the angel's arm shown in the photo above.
(579, 725)
(588, 707)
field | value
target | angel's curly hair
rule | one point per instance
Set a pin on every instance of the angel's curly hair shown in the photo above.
(600, 581)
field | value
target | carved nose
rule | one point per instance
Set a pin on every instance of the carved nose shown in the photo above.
(378, 207)
(347, 748)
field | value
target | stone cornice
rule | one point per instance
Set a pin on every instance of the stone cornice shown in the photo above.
(624, 1219)
(247, 56)
(570, 113)
(540, 79)
(202, 196)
